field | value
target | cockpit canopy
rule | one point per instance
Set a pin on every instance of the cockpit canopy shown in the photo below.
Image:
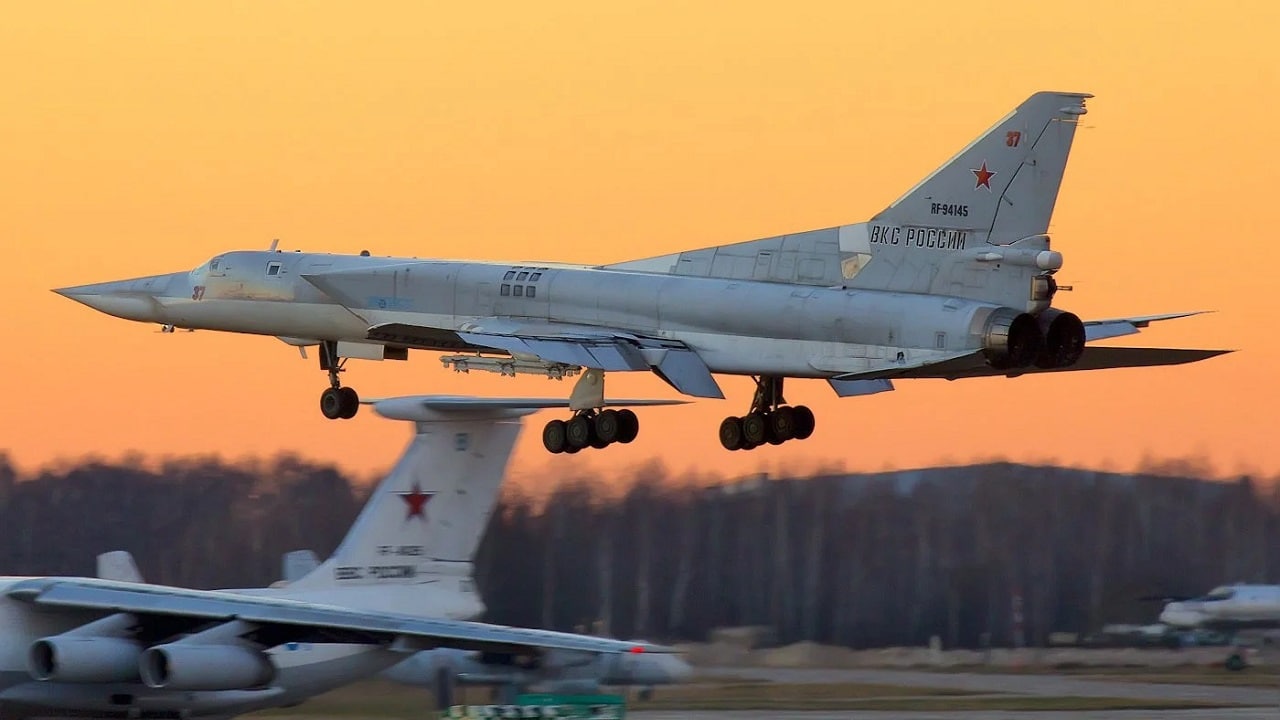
(1225, 592)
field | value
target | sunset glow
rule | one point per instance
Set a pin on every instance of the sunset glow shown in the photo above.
(144, 138)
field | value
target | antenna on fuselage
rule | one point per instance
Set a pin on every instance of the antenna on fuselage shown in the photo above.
(274, 244)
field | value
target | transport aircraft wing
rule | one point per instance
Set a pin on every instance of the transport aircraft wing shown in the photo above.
(284, 620)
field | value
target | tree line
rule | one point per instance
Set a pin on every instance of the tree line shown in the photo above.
(1000, 550)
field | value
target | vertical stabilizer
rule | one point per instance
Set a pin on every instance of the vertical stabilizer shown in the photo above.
(975, 227)
(118, 565)
(423, 522)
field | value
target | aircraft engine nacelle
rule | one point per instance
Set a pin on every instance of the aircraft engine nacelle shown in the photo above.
(182, 666)
(84, 659)
(1011, 339)
(1063, 339)
(585, 686)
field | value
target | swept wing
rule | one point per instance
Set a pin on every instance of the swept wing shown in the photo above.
(289, 620)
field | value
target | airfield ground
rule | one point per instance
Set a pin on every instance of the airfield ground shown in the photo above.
(952, 693)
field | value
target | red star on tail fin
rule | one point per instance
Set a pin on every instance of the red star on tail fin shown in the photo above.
(416, 502)
(984, 176)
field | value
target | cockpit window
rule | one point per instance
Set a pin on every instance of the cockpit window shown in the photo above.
(1219, 593)
(214, 263)
(273, 269)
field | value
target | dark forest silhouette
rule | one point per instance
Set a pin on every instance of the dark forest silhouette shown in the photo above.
(863, 560)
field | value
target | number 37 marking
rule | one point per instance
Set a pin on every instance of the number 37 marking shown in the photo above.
(1012, 138)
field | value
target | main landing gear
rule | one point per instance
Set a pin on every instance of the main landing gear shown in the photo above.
(590, 428)
(592, 424)
(336, 402)
(770, 420)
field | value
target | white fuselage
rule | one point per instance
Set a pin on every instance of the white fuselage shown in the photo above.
(736, 326)
(1232, 607)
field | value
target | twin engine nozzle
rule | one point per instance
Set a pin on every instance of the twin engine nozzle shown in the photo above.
(1014, 339)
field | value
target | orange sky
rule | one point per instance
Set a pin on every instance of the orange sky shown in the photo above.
(139, 138)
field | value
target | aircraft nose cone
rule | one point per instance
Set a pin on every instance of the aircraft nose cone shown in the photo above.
(677, 669)
(128, 299)
(1179, 615)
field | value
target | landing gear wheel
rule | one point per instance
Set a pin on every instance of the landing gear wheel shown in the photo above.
(578, 432)
(731, 433)
(804, 422)
(553, 436)
(331, 403)
(782, 424)
(628, 426)
(350, 402)
(608, 427)
(754, 429)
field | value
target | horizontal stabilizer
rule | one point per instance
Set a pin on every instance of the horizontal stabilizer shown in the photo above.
(1118, 327)
(1101, 358)
(1093, 358)
(854, 388)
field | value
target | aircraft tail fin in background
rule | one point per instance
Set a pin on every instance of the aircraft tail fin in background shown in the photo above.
(426, 518)
(298, 564)
(119, 565)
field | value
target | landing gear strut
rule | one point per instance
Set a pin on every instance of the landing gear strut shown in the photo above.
(592, 424)
(770, 419)
(336, 402)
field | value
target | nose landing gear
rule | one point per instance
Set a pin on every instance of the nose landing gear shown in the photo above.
(336, 402)
(770, 420)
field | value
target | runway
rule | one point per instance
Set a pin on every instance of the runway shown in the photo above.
(1207, 714)
(1257, 702)
(1020, 684)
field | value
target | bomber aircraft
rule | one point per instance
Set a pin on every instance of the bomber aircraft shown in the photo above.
(955, 279)
(399, 583)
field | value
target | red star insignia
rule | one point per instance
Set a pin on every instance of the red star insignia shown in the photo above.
(984, 176)
(416, 502)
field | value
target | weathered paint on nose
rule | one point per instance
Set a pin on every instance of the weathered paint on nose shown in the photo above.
(136, 299)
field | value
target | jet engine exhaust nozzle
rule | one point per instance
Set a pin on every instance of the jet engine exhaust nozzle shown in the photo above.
(1012, 339)
(1063, 339)
(179, 666)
